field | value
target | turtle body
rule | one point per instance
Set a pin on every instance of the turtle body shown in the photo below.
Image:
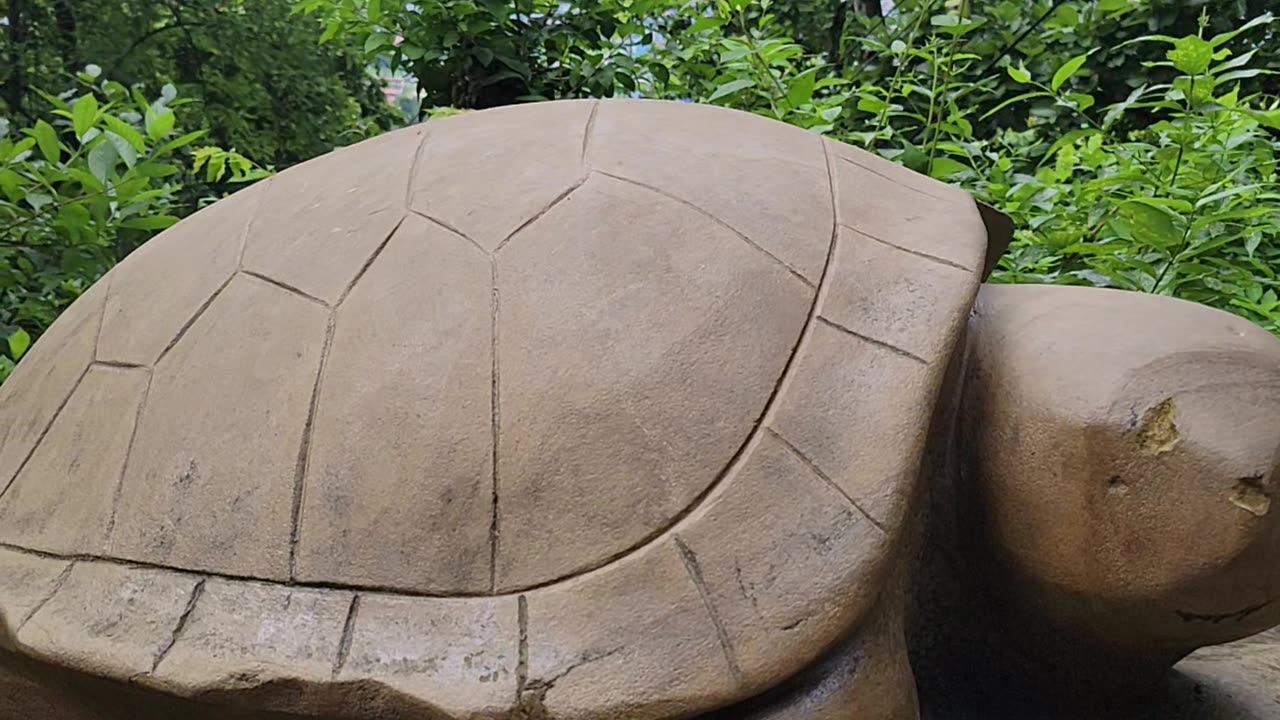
(573, 410)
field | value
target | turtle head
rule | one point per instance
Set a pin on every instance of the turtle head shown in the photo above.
(1122, 454)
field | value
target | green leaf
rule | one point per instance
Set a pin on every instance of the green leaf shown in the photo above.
(179, 142)
(374, 10)
(150, 222)
(126, 131)
(102, 161)
(1191, 55)
(123, 149)
(945, 167)
(1263, 19)
(376, 40)
(83, 114)
(159, 122)
(801, 90)
(1019, 74)
(1150, 224)
(1068, 69)
(19, 341)
(706, 23)
(731, 87)
(47, 138)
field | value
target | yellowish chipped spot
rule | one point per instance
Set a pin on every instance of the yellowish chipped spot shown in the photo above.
(1157, 433)
(1248, 494)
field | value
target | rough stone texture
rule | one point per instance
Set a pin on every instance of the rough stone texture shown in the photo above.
(783, 209)
(489, 173)
(245, 635)
(585, 360)
(166, 283)
(26, 582)
(321, 222)
(656, 655)
(461, 656)
(770, 588)
(44, 380)
(62, 500)
(109, 620)
(402, 497)
(210, 482)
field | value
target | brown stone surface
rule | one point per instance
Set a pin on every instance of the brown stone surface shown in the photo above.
(460, 655)
(568, 410)
(26, 582)
(44, 380)
(109, 620)
(489, 173)
(585, 360)
(166, 283)
(210, 482)
(62, 500)
(320, 223)
(243, 635)
(1125, 452)
(656, 655)
(403, 497)
(771, 587)
(784, 209)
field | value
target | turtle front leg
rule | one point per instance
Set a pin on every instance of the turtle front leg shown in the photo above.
(1115, 502)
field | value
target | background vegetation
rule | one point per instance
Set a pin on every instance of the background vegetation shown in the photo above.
(1134, 142)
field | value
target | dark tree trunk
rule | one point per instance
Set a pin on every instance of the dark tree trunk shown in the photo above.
(15, 86)
(65, 21)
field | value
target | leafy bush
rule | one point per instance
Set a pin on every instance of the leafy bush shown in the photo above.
(82, 189)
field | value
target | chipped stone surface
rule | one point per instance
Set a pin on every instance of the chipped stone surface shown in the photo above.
(43, 381)
(62, 501)
(163, 285)
(671, 345)
(244, 634)
(26, 582)
(321, 221)
(489, 173)
(771, 587)
(210, 482)
(460, 655)
(109, 620)
(785, 208)
(403, 498)
(656, 655)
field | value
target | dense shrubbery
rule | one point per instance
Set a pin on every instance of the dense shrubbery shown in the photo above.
(1134, 142)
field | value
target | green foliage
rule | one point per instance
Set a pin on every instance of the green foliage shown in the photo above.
(81, 189)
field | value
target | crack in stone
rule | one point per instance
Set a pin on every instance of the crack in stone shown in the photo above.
(532, 701)
(813, 467)
(377, 252)
(45, 431)
(449, 227)
(538, 216)
(348, 629)
(878, 343)
(124, 467)
(196, 592)
(695, 574)
(738, 233)
(1216, 618)
(522, 651)
(586, 134)
(57, 585)
(909, 251)
(413, 166)
(896, 182)
(284, 286)
(495, 422)
(192, 320)
(304, 452)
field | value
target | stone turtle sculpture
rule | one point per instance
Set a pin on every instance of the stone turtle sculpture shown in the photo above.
(621, 409)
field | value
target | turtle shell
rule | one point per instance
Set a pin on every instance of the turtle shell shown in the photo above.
(598, 409)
